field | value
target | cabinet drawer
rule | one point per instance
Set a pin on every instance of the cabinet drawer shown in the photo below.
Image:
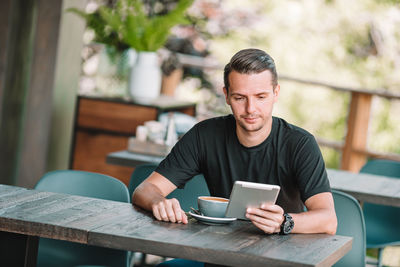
(111, 116)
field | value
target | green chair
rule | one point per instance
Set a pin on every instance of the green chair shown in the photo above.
(180, 263)
(350, 223)
(62, 253)
(187, 196)
(382, 222)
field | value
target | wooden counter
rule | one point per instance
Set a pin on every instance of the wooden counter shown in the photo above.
(104, 125)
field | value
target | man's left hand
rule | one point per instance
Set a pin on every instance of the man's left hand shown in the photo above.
(268, 217)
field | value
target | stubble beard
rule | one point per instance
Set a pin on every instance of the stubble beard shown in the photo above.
(251, 128)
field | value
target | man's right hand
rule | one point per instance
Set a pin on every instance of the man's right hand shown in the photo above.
(150, 195)
(169, 210)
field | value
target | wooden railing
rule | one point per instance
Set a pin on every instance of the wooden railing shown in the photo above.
(354, 150)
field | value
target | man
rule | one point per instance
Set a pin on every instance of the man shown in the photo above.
(249, 145)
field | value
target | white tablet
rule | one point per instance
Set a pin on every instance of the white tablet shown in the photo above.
(247, 194)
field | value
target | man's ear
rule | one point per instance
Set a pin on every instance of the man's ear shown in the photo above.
(276, 92)
(226, 93)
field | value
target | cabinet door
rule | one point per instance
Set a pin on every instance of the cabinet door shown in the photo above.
(91, 150)
(103, 127)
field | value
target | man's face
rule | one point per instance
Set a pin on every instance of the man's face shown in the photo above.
(252, 97)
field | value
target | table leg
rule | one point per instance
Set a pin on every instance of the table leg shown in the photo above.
(18, 249)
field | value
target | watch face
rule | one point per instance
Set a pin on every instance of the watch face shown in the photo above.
(287, 228)
(288, 224)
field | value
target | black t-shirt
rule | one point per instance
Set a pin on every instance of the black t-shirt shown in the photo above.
(289, 157)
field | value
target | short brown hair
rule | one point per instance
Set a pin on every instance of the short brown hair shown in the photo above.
(248, 61)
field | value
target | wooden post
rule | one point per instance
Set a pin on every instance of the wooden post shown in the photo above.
(27, 68)
(5, 25)
(357, 132)
(38, 104)
(15, 60)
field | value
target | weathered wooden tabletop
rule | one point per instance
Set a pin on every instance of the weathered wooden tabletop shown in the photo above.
(130, 159)
(120, 225)
(367, 187)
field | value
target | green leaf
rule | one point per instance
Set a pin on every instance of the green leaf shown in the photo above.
(128, 23)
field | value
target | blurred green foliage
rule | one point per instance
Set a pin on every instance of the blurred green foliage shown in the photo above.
(345, 43)
(127, 24)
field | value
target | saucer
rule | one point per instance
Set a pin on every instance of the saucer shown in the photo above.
(211, 220)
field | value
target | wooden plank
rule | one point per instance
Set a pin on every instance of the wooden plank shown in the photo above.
(382, 92)
(18, 197)
(357, 132)
(161, 103)
(121, 226)
(111, 116)
(125, 158)
(91, 150)
(378, 155)
(230, 245)
(367, 187)
(8, 189)
(148, 148)
(25, 212)
(53, 215)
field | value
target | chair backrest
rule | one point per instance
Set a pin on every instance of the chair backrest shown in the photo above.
(83, 183)
(62, 253)
(382, 222)
(187, 196)
(382, 167)
(350, 223)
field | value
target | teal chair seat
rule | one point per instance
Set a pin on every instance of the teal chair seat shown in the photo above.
(62, 253)
(350, 223)
(382, 222)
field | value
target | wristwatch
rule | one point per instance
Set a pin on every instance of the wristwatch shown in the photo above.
(287, 224)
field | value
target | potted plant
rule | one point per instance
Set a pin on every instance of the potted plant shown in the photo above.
(128, 25)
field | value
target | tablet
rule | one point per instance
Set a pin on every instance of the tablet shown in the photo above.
(247, 194)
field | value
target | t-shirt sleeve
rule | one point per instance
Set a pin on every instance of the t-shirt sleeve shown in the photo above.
(309, 168)
(183, 162)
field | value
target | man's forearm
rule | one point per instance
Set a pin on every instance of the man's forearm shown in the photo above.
(320, 217)
(315, 221)
(146, 194)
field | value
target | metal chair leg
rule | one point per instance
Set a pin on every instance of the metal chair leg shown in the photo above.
(380, 253)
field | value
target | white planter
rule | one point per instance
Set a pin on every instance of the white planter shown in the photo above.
(145, 77)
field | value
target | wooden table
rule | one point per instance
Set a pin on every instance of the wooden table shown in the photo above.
(129, 159)
(30, 214)
(364, 187)
(367, 187)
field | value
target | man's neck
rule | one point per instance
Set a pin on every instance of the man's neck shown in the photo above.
(250, 139)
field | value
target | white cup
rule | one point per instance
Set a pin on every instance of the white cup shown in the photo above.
(141, 133)
(155, 131)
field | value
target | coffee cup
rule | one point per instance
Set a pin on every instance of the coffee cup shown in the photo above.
(212, 206)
